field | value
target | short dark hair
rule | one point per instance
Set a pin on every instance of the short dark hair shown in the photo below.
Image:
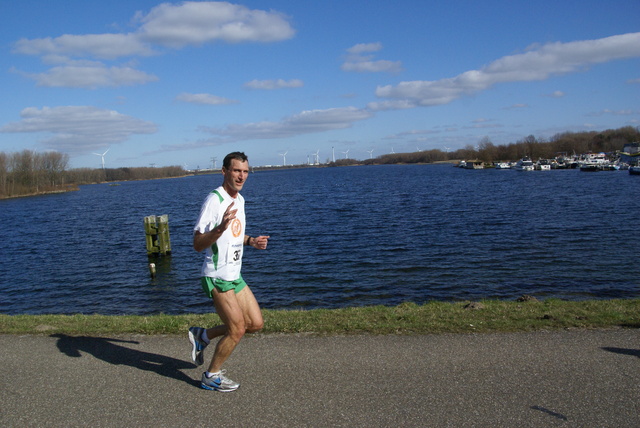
(226, 164)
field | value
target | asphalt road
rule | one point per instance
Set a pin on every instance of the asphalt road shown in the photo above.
(543, 379)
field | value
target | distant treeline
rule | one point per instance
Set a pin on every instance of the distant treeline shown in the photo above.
(569, 143)
(31, 173)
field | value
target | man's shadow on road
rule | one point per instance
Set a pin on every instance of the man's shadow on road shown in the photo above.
(107, 349)
(624, 351)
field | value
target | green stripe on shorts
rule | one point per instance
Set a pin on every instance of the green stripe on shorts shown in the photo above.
(221, 285)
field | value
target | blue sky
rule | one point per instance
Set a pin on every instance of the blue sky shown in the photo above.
(180, 83)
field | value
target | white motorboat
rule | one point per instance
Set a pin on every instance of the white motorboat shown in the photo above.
(594, 162)
(524, 164)
(543, 165)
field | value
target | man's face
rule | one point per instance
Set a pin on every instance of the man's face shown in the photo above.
(235, 176)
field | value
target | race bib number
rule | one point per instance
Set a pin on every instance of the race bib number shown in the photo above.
(234, 255)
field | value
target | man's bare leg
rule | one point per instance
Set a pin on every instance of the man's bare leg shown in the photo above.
(240, 314)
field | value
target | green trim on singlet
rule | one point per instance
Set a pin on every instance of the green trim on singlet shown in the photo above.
(214, 254)
(214, 247)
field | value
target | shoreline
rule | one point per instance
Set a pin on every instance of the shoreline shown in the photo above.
(72, 188)
(486, 316)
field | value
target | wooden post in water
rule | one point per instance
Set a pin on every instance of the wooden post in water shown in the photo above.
(157, 233)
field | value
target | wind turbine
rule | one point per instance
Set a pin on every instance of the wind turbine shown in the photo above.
(346, 154)
(370, 153)
(102, 156)
(317, 154)
(284, 158)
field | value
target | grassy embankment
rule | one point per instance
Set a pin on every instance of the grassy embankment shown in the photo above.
(407, 318)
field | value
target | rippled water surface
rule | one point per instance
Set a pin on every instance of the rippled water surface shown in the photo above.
(339, 237)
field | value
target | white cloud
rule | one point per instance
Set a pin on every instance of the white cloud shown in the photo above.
(357, 62)
(613, 112)
(482, 125)
(192, 23)
(204, 99)
(363, 66)
(166, 25)
(79, 129)
(173, 25)
(411, 133)
(104, 46)
(390, 105)
(306, 122)
(538, 63)
(76, 75)
(556, 94)
(516, 106)
(274, 84)
(365, 47)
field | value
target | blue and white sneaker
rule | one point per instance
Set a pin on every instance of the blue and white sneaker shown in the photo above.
(197, 345)
(218, 382)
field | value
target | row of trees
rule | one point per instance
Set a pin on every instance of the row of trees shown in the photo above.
(29, 172)
(89, 175)
(609, 141)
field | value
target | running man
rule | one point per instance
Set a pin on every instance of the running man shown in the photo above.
(220, 232)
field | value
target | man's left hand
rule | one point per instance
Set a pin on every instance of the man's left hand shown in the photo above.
(260, 242)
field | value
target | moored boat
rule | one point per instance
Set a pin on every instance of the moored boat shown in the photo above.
(524, 164)
(590, 167)
(594, 162)
(475, 164)
(543, 165)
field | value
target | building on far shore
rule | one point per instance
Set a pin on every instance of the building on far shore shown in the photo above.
(630, 153)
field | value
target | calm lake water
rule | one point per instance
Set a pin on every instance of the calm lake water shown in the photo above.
(348, 236)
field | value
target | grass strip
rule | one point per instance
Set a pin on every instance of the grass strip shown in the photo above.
(408, 318)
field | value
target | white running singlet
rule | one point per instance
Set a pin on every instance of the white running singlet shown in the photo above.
(223, 259)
